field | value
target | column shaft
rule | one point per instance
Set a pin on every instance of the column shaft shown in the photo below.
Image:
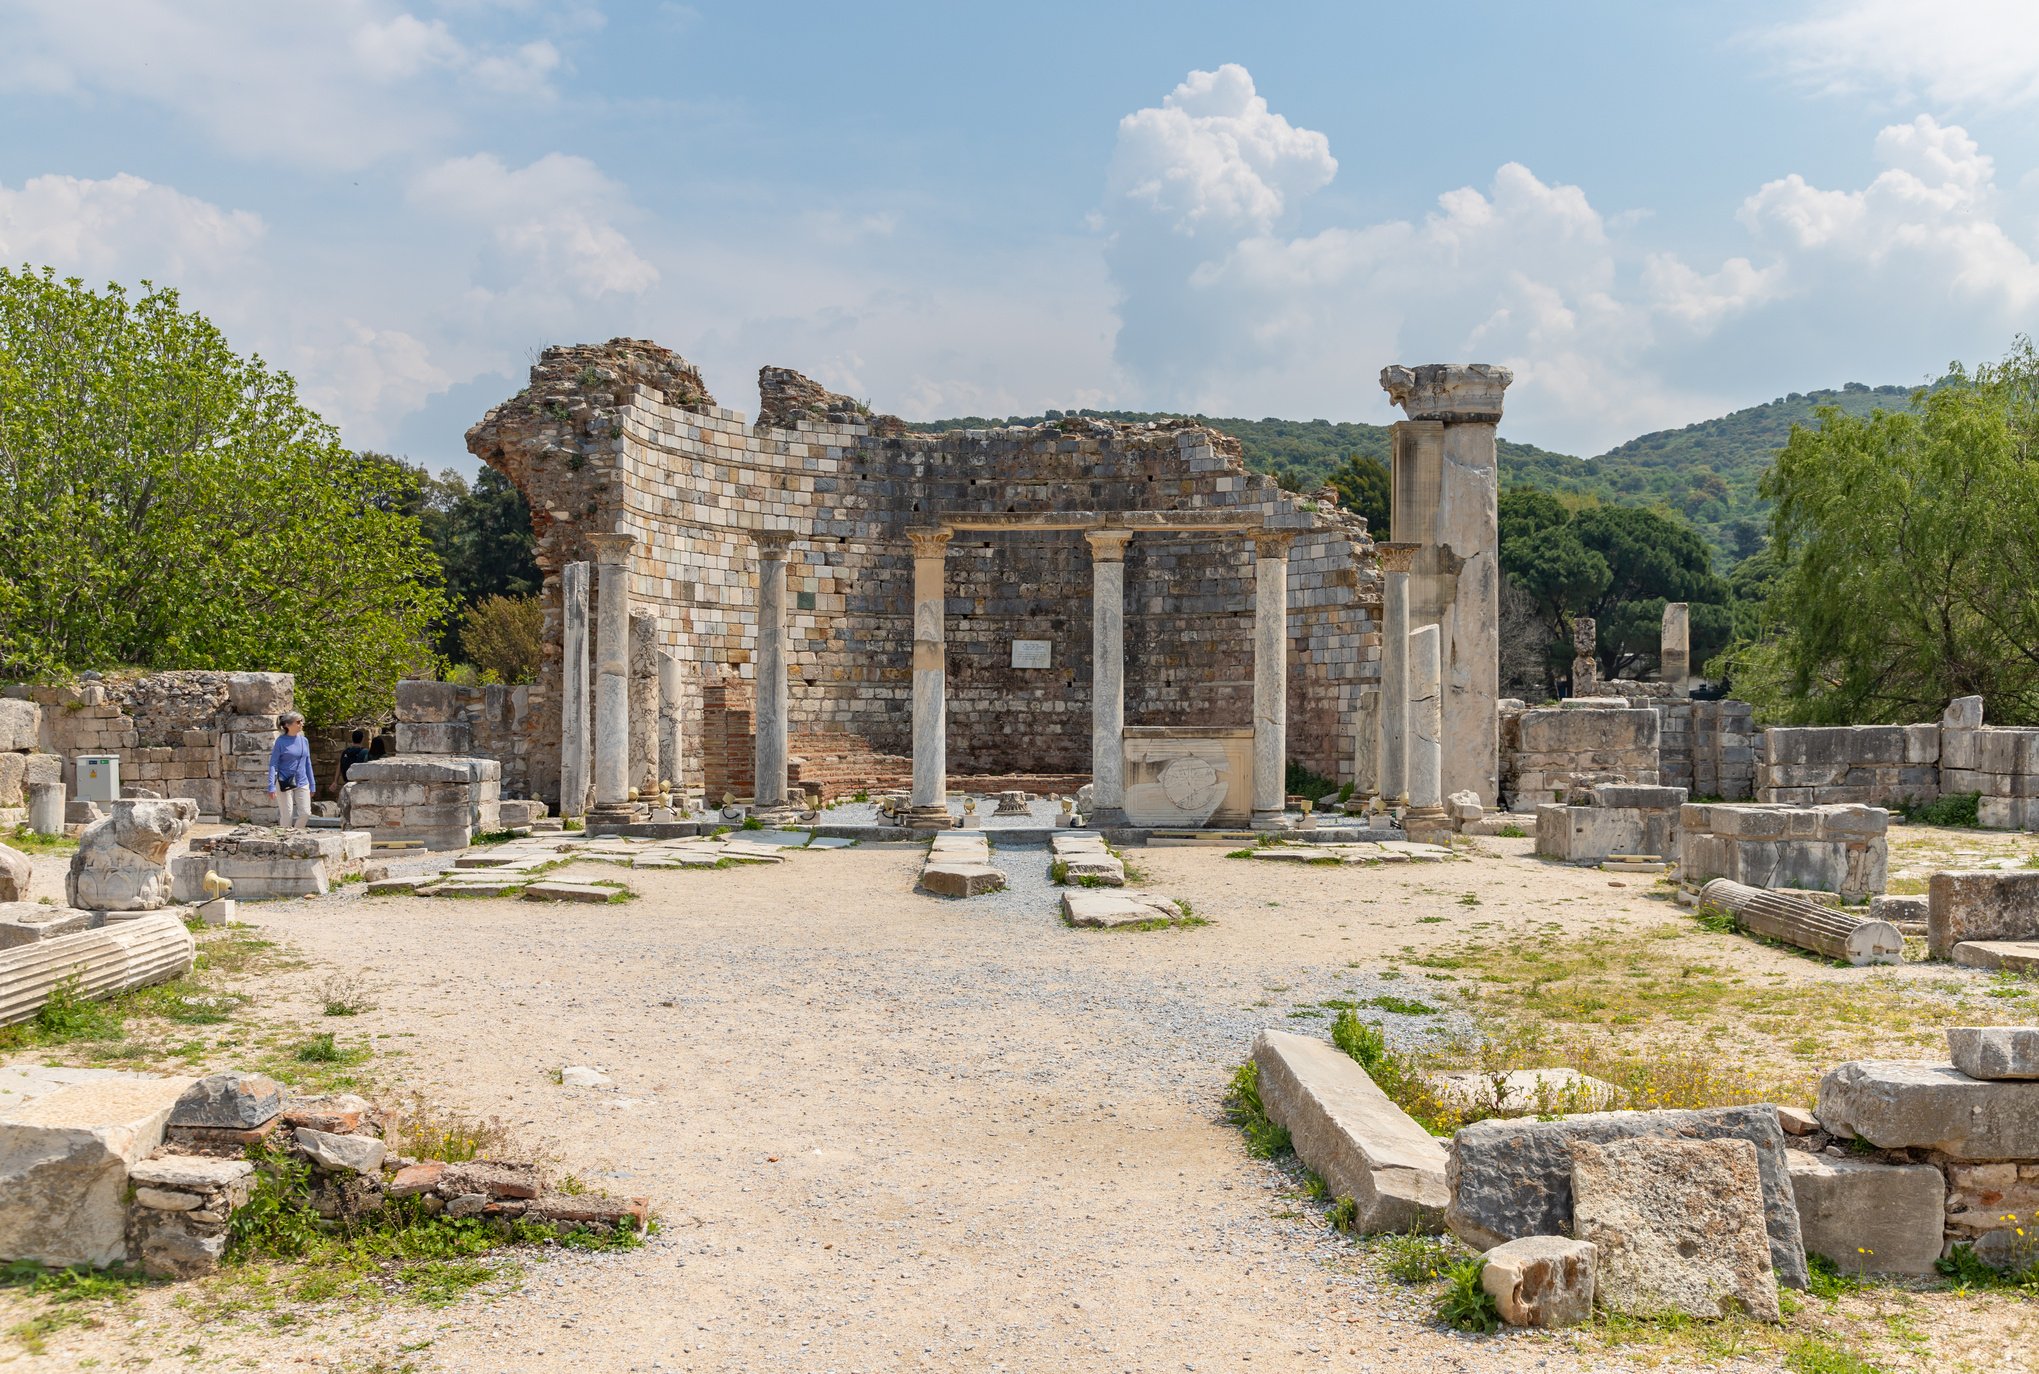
(1108, 676)
(1394, 765)
(1270, 674)
(612, 670)
(669, 718)
(574, 723)
(1426, 720)
(929, 803)
(769, 756)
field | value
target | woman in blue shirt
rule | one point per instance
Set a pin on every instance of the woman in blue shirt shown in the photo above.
(290, 774)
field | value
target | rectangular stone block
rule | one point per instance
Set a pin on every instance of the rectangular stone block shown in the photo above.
(1911, 1106)
(1868, 1217)
(1995, 1052)
(1989, 905)
(1346, 1129)
(426, 703)
(64, 1160)
(451, 737)
(20, 725)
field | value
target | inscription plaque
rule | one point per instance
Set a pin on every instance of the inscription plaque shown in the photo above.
(1033, 653)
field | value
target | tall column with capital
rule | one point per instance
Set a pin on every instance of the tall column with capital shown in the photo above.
(1394, 766)
(1270, 674)
(575, 724)
(1108, 675)
(1460, 529)
(928, 807)
(769, 737)
(612, 670)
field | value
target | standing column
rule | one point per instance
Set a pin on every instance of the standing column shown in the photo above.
(1108, 676)
(1674, 655)
(1366, 751)
(669, 733)
(928, 807)
(769, 756)
(1425, 819)
(612, 672)
(646, 767)
(1452, 475)
(574, 724)
(1395, 627)
(1585, 667)
(1270, 674)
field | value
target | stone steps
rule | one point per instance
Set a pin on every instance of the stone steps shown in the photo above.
(959, 865)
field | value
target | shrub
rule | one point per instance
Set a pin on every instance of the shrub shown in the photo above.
(1961, 809)
(1264, 1138)
(1464, 1304)
(504, 637)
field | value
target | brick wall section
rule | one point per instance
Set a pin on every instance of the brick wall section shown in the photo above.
(625, 436)
(724, 753)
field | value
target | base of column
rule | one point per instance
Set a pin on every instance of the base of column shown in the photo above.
(927, 818)
(609, 818)
(1108, 817)
(1271, 820)
(778, 817)
(1427, 825)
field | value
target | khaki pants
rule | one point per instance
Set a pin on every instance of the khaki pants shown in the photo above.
(293, 807)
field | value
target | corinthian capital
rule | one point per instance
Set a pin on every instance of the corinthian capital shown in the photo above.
(1460, 392)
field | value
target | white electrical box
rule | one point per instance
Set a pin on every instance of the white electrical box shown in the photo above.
(98, 778)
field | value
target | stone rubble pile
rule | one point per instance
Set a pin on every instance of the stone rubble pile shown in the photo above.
(102, 1168)
(1700, 1212)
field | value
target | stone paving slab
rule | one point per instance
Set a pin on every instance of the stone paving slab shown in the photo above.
(950, 879)
(2020, 956)
(1102, 910)
(557, 890)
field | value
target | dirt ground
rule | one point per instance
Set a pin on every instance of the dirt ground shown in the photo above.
(886, 1131)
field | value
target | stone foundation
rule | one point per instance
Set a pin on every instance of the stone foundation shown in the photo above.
(1826, 848)
(442, 803)
(1622, 819)
(1550, 752)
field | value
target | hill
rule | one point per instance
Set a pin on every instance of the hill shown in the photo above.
(1706, 472)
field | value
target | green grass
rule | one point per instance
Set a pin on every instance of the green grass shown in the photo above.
(1464, 1305)
(1264, 1138)
(34, 842)
(73, 1297)
(1414, 1259)
(1819, 1353)
(1401, 1006)
(1512, 832)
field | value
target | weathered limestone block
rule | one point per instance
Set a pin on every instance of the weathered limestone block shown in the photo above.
(1995, 1052)
(24, 923)
(355, 1154)
(1347, 1130)
(1545, 1281)
(1678, 1226)
(1514, 1178)
(422, 702)
(260, 694)
(1100, 910)
(438, 737)
(1992, 905)
(1834, 848)
(64, 1160)
(1867, 1217)
(121, 862)
(15, 872)
(20, 725)
(1910, 1106)
(241, 1101)
(960, 879)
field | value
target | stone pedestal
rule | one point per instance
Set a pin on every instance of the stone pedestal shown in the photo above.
(1426, 819)
(1270, 674)
(1445, 487)
(46, 808)
(928, 804)
(576, 723)
(769, 755)
(1394, 760)
(612, 673)
(1108, 676)
(1674, 656)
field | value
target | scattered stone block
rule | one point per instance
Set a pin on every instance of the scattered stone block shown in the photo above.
(1102, 910)
(161, 1200)
(1995, 1052)
(20, 725)
(357, 1154)
(181, 1253)
(64, 1161)
(2019, 956)
(1909, 1106)
(581, 1076)
(24, 923)
(398, 887)
(415, 1179)
(1868, 1217)
(240, 1101)
(1346, 1129)
(1678, 1226)
(191, 1173)
(1544, 1281)
(334, 1113)
(1797, 1121)
(467, 1205)
(1899, 911)
(1514, 1178)
(492, 1179)
(1975, 906)
(559, 890)
(15, 871)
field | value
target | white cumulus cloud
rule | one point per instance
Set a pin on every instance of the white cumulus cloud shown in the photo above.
(1978, 54)
(548, 225)
(122, 226)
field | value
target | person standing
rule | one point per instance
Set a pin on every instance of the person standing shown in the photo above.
(355, 752)
(290, 774)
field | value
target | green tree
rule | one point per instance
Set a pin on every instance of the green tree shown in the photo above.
(1907, 553)
(482, 534)
(1362, 486)
(504, 637)
(167, 503)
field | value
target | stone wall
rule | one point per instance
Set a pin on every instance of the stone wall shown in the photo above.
(625, 437)
(1893, 764)
(202, 735)
(1709, 748)
(21, 761)
(1836, 848)
(444, 718)
(1546, 750)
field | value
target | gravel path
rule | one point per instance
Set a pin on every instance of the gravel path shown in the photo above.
(887, 1131)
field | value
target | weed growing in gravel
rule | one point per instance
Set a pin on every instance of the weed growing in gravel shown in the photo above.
(1343, 1215)
(1464, 1305)
(341, 996)
(1512, 832)
(1819, 1353)
(1058, 872)
(1264, 1139)
(34, 842)
(1416, 1258)
(425, 1129)
(1401, 1006)
(69, 1295)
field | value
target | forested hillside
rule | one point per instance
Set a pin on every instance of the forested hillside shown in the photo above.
(1706, 472)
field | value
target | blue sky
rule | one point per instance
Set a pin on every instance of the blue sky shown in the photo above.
(1654, 213)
